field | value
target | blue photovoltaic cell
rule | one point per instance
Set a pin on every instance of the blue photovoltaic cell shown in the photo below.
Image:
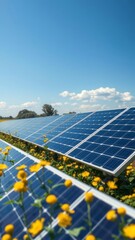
(74, 196)
(22, 128)
(112, 146)
(80, 131)
(52, 131)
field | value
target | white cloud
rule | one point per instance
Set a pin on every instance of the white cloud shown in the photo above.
(102, 93)
(67, 94)
(14, 106)
(74, 104)
(86, 107)
(126, 96)
(56, 104)
(29, 104)
(2, 104)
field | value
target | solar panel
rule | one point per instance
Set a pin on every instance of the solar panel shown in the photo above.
(51, 132)
(67, 140)
(23, 128)
(74, 195)
(111, 148)
(103, 139)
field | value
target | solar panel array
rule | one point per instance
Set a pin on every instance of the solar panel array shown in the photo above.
(12, 213)
(103, 139)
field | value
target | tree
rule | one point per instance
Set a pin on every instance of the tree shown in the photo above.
(49, 110)
(26, 114)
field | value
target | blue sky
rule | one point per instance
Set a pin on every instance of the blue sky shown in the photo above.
(78, 55)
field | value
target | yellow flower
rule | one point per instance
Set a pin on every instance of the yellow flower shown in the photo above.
(111, 215)
(5, 152)
(112, 185)
(26, 237)
(44, 163)
(97, 179)
(3, 166)
(51, 199)
(60, 167)
(85, 174)
(35, 167)
(6, 237)
(90, 237)
(94, 184)
(89, 197)
(68, 183)
(21, 175)
(64, 219)
(66, 207)
(45, 140)
(121, 211)
(23, 166)
(8, 148)
(1, 173)
(65, 158)
(9, 228)
(20, 187)
(101, 188)
(0, 149)
(129, 231)
(36, 227)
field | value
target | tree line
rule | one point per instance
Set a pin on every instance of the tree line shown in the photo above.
(47, 109)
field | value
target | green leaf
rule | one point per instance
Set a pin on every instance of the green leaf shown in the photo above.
(76, 231)
(10, 202)
(37, 203)
(131, 179)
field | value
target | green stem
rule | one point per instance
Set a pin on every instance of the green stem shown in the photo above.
(89, 215)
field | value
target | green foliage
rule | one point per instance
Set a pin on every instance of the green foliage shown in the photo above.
(26, 114)
(48, 110)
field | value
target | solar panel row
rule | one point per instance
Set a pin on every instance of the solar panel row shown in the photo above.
(104, 139)
(12, 213)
